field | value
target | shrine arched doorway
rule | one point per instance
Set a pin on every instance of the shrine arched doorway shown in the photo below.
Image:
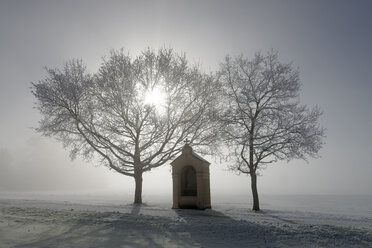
(188, 181)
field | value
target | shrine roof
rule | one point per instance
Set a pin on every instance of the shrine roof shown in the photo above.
(187, 151)
(199, 157)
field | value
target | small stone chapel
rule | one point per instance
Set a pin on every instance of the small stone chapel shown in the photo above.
(191, 185)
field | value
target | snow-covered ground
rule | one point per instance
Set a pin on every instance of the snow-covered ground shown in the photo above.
(56, 220)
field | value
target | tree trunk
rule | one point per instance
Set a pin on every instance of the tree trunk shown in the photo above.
(138, 190)
(256, 204)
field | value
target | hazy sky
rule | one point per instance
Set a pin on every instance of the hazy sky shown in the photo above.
(330, 41)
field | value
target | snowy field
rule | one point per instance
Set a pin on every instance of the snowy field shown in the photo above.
(57, 220)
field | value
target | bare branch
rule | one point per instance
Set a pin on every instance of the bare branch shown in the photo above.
(263, 107)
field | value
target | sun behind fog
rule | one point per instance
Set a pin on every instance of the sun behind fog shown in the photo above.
(155, 97)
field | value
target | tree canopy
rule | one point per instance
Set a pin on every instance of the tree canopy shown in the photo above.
(133, 114)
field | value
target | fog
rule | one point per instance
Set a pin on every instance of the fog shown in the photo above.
(329, 41)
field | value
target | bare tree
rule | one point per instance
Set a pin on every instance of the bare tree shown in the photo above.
(133, 114)
(263, 120)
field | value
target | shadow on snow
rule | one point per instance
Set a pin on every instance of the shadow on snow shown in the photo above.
(187, 228)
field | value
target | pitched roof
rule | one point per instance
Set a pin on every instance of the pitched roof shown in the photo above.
(187, 150)
(199, 157)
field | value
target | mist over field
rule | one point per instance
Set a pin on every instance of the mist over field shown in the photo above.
(329, 42)
(48, 199)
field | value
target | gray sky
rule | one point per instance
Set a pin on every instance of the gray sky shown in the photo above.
(330, 41)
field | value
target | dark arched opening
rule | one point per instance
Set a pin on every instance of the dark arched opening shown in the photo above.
(188, 181)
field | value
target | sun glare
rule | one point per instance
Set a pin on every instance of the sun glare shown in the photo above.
(155, 97)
